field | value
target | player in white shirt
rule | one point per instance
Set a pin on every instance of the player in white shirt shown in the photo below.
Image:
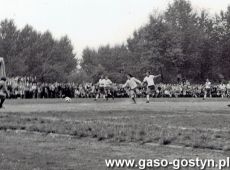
(207, 89)
(107, 86)
(228, 89)
(222, 89)
(101, 87)
(149, 79)
(132, 83)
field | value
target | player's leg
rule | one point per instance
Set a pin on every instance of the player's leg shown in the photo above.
(103, 92)
(107, 93)
(224, 93)
(110, 93)
(133, 95)
(205, 93)
(150, 91)
(2, 98)
(148, 94)
(210, 93)
(97, 94)
(113, 93)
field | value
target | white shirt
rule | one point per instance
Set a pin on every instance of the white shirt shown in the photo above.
(228, 86)
(208, 85)
(101, 82)
(150, 80)
(132, 83)
(222, 87)
(107, 82)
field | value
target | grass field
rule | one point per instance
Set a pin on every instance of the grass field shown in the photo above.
(51, 134)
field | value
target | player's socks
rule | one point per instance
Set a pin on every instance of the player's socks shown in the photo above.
(147, 99)
(96, 97)
(204, 97)
(134, 100)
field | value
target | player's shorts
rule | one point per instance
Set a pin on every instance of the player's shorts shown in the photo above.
(108, 89)
(208, 91)
(101, 90)
(150, 89)
(133, 92)
(223, 91)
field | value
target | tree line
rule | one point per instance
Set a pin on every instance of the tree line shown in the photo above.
(178, 43)
(28, 52)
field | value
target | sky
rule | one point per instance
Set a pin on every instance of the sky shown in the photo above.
(92, 23)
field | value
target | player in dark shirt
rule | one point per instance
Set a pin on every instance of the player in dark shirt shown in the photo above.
(3, 91)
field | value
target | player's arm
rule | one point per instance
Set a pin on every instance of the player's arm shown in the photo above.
(159, 75)
(98, 83)
(110, 82)
(125, 85)
(144, 81)
(137, 81)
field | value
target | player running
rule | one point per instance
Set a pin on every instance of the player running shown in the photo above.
(107, 87)
(222, 89)
(149, 79)
(101, 88)
(228, 89)
(3, 91)
(132, 84)
(207, 89)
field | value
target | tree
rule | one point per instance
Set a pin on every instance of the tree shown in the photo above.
(176, 42)
(8, 47)
(105, 60)
(30, 53)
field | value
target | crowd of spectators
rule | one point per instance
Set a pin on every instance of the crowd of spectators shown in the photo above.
(29, 87)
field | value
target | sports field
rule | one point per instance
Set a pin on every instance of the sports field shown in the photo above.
(52, 134)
